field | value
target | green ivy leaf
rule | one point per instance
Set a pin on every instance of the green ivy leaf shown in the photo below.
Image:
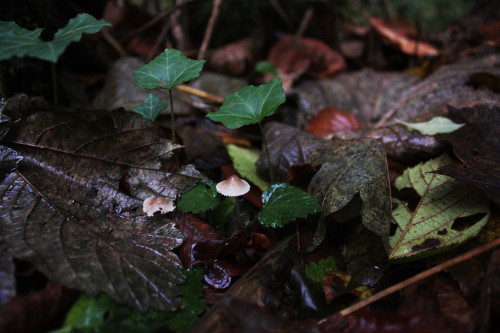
(200, 198)
(168, 70)
(448, 213)
(17, 41)
(266, 67)
(283, 203)
(250, 104)
(316, 271)
(102, 314)
(151, 107)
(437, 125)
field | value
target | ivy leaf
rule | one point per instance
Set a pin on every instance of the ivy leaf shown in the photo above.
(250, 104)
(168, 70)
(437, 125)
(200, 198)
(151, 107)
(17, 41)
(316, 271)
(447, 214)
(244, 160)
(102, 314)
(283, 203)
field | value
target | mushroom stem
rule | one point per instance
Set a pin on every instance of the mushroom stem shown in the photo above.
(238, 213)
(271, 174)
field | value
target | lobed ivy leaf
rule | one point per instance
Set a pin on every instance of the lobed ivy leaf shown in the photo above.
(200, 198)
(447, 213)
(283, 203)
(437, 125)
(316, 271)
(250, 104)
(168, 70)
(20, 42)
(102, 314)
(151, 107)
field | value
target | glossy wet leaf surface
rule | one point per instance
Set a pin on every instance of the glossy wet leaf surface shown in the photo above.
(447, 213)
(168, 70)
(17, 41)
(283, 203)
(250, 104)
(73, 204)
(477, 145)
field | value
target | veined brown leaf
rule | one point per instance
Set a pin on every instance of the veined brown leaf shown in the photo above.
(448, 213)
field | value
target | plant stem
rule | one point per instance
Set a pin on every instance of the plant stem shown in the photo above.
(236, 203)
(54, 85)
(172, 127)
(271, 174)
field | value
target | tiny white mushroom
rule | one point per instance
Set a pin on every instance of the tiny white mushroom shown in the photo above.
(233, 186)
(157, 204)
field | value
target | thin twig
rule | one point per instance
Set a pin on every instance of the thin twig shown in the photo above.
(113, 42)
(200, 93)
(277, 7)
(420, 276)
(153, 21)
(210, 29)
(305, 21)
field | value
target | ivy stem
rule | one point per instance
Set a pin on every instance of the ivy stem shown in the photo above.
(172, 127)
(54, 85)
(271, 174)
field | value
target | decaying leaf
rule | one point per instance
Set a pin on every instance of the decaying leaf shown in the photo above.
(447, 213)
(355, 167)
(403, 42)
(72, 205)
(477, 145)
(375, 96)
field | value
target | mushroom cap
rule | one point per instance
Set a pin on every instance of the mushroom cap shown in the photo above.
(233, 186)
(157, 204)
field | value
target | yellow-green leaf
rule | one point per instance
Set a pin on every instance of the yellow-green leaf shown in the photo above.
(244, 162)
(448, 213)
(436, 125)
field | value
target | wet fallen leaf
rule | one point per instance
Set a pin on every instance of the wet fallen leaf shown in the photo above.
(477, 145)
(447, 213)
(235, 58)
(72, 205)
(296, 55)
(330, 121)
(379, 97)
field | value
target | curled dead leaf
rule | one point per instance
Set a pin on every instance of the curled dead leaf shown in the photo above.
(402, 41)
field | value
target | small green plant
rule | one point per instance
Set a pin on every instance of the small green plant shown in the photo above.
(250, 105)
(166, 71)
(102, 314)
(316, 271)
(20, 42)
(151, 107)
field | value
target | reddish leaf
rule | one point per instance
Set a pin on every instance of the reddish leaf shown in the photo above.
(260, 241)
(402, 41)
(234, 58)
(294, 56)
(330, 121)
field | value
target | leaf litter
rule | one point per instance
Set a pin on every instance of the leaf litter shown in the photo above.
(350, 175)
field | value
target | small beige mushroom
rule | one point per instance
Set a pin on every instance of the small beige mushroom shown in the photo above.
(233, 186)
(157, 204)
